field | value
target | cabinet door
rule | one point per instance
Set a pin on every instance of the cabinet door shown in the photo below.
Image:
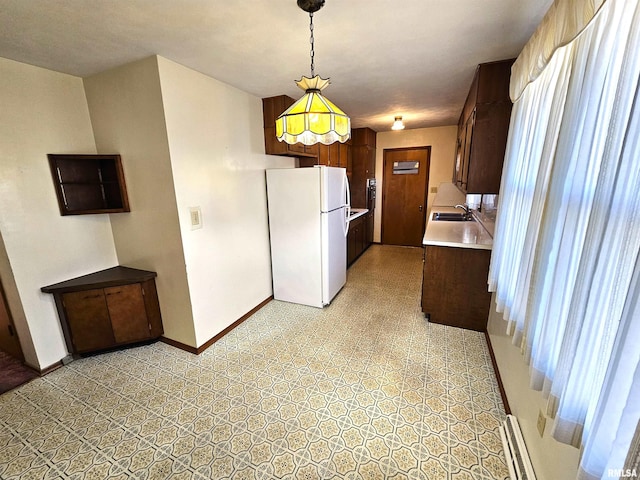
(466, 155)
(460, 145)
(88, 320)
(454, 286)
(359, 184)
(345, 157)
(361, 236)
(296, 148)
(351, 243)
(370, 168)
(152, 306)
(490, 131)
(370, 225)
(127, 312)
(271, 144)
(323, 155)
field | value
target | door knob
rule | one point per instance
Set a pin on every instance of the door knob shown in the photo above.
(420, 208)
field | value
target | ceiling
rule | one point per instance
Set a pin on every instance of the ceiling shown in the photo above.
(414, 58)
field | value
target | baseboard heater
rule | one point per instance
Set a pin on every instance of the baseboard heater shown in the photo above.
(515, 450)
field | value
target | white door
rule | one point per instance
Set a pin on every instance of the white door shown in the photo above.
(334, 253)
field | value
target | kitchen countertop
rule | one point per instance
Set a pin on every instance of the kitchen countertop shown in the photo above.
(469, 234)
(357, 212)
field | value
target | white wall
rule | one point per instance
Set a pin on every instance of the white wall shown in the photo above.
(43, 112)
(443, 143)
(551, 459)
(216, 142)
(128, 118)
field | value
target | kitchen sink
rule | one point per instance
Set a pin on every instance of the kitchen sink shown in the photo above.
(451, 217)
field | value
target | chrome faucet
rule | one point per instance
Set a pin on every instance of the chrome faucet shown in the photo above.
(467, 210)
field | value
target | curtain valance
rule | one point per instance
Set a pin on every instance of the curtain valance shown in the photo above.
(563, 22)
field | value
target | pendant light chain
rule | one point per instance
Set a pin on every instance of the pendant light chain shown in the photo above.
(313, 118)
(311, 40)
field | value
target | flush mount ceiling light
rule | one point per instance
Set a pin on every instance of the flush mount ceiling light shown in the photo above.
(313, 118)
(397, 124)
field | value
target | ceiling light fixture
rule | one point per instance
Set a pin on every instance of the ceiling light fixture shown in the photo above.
(397, 124)
(313, 118)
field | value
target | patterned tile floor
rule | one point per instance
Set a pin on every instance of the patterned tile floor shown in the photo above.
(363, 389)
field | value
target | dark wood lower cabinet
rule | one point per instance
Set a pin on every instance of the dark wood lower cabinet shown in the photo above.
(454, 286)
(360, 236)
(106, 309)
(88, 320)
(370, 225)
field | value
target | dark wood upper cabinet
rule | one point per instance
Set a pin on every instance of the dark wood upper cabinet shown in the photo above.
(88, 184)
(482, 130)
(335, 155)
(357, 155)
(272, 107)
(363, 147)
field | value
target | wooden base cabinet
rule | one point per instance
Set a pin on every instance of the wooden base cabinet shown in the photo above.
(360, 236)
(356, 238)
(106, 309)
(454, 286)
(370, 227)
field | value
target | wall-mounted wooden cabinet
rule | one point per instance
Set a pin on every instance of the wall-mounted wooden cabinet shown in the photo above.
(482, 130)
(363, 146)
(357, 155)
(272, 107)
(87, 184)
(106, 309)
(335, 155)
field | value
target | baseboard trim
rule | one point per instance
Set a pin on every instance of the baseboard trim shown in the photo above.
(47, 370)
(503, 393)
(180, 345)
(214, 339)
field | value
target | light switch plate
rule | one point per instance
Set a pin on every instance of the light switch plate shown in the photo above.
(195, 214)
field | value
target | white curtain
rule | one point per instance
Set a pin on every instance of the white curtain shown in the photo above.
(568, 234)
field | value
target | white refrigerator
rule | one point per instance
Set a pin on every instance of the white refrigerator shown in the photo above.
(308, 224)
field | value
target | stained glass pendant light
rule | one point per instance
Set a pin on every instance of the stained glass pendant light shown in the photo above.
(313, 118)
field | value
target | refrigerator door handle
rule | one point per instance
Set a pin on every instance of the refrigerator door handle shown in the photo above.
(346, 222)
(348, 209)
(348, 192)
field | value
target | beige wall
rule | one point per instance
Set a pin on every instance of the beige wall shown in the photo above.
(128, 118)
(43, 112)
(442, 141)
(188, 140)
(551, 459)
(216, 142)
